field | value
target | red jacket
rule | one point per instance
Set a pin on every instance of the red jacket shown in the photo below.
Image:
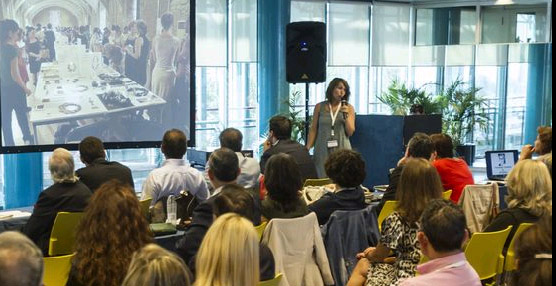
(455, 175)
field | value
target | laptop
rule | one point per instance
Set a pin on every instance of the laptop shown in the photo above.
(500, 163)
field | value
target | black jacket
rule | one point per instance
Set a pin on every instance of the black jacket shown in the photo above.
(298, 152)
(60, 197)
(390, 194)
(188, 246)
(102, 171)
(345, 200)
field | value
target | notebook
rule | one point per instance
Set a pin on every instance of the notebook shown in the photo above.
(500, 163)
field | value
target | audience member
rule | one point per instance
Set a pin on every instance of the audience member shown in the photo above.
(547, 160)
(346, 169)
(221, 261)
(235, 199)
(420, 146)
(454, 172)
(419, 185)
(175, 174)
(283, 183)
(98, 170)
(279, 141)
(21, 262)
(529, 197)
(543, 144)
(223, 172)
(232, 139)
(67, 194)
(447, 265)
(533, 250)
(417, 109)
(156, 266)
(111, 230)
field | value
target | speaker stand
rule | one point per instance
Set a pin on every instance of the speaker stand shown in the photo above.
(307, 123)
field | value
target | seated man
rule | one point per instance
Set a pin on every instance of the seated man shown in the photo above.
(175, 175)
(232, 139)
(420, 146)
(279, 141)
(98, 170)
(21, 261)
(447, 265)
(67, 194)
(223, 171)
(346, 169)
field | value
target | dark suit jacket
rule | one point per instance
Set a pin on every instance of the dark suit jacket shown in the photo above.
(102, 171)
(188, 246)
(60, 197)
(298, 152)
(390, 194)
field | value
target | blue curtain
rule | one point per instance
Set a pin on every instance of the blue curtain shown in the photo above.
(22, 179)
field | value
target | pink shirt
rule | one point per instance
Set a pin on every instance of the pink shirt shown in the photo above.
(452, 270)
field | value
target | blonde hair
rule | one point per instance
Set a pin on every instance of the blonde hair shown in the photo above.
(229, 254)
(155, 266)
(62, 167)
(530, 187)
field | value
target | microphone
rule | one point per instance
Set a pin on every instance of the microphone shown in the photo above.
(344, 103)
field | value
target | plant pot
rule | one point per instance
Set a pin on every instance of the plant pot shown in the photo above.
(467, 152)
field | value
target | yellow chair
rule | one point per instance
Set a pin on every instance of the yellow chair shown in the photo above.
(62, 237)
(484, 250)
(317, 182)
(260, 229)
(274, 282)
(447, 194)
(509, 264)
(145, 205)
(56, 270)
(387, 210)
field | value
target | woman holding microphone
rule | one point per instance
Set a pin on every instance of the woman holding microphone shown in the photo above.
(333, 124)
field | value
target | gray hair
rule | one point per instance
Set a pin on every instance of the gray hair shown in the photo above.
(21, 261)
(62, 167)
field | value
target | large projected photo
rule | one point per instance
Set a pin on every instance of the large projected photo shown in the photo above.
(119, 70)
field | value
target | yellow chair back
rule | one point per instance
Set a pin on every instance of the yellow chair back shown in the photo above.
(56, 270)
(274, 282)
(62, 237)
(317, 182)
(387, 210)
(260, 229)
(484, 252)
(447, 194)
(145, 205)
(509, 264)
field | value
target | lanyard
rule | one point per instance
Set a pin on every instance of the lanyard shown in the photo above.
(333, 116)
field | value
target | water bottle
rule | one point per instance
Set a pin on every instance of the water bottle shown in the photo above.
(171, 209)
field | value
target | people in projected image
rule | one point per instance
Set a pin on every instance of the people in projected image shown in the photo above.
(501, 164)
(34, 51)
(501, 160)
(13, 88)
(139, 54)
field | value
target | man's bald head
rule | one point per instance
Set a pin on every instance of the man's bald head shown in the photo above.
(174, 144)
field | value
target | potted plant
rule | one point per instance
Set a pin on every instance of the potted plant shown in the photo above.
(400, 98)
(463, 110)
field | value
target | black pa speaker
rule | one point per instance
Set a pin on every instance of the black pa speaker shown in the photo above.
(306, 52)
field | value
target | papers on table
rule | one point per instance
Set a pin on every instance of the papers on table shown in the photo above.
(13, 214)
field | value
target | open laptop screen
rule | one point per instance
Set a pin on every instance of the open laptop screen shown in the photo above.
(500, 163)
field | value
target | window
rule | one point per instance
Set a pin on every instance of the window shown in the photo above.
(525, 30)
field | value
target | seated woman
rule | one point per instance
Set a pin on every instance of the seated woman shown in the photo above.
(543, 144)
(346, 169)
(111, 230)
(529, 197)
(229, 253)
(154, 265)
(419, 185)
(533, 250)
(454, 172)
(283, 184)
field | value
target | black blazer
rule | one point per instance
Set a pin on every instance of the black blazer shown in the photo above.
(345, 200)
(102, 171)
(60, 197)
(298, 152)
(390, 194)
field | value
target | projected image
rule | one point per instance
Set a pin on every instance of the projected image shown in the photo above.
(118, 70)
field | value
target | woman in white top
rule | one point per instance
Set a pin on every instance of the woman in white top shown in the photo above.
(161, 75)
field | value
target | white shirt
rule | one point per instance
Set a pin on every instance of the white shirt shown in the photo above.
(171, 178)
(250, 172)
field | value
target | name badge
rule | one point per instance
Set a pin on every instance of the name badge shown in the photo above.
(332, 143)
